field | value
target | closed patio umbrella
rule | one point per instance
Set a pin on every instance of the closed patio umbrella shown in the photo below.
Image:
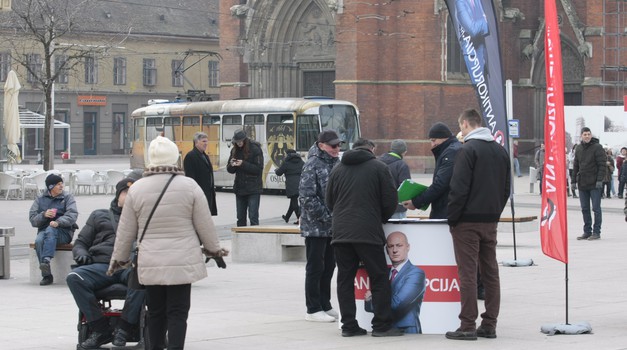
(12, 117)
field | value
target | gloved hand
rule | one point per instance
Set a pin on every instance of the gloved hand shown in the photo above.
(219, 253)
(83, 260)
(599, 185)
(219, 261)
(116, 266)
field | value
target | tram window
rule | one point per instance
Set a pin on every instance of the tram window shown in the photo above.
(154, 127)
(191, 125)
(307, 130)
(254, 127)
(211, 120)
(230, 123)
(191, 121)
(172, 128)
(341, 119)
(139, 127)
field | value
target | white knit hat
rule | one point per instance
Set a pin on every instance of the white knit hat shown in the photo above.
(162, 152)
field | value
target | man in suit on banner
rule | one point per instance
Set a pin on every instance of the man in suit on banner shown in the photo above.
(408, 285)
(473, 23)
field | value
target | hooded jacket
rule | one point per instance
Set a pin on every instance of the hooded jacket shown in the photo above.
(362, 196)
(589, 164)
(480, 185)
(437, 193)
(292, 167)
(97, 237)
(315, 216)
(399, 170)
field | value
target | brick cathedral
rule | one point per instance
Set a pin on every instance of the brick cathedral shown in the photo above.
(399, 61)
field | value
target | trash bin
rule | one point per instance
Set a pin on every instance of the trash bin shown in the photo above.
(5, 254)
(65, 155)
(533, 173)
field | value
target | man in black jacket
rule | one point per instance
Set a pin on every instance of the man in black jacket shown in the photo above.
(198, 166)
(589, 169)
(399, 170)
(444, 147)
(361, 195)
(480, 187)
(92, 252)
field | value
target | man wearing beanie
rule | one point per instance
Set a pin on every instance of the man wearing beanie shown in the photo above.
(399, 169)
(444, 147)
(54, 214)
(92, 252)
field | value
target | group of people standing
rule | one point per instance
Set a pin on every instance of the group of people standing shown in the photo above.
(344, 204)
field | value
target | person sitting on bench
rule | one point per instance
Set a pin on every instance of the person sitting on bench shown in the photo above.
(92, 252)
(54, 214)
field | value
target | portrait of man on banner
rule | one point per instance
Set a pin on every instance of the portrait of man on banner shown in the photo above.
(473, 28)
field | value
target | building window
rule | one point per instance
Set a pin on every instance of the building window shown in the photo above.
(119, 71)
(178, 66)
(91, 70)
(5, 65)
(214, 74)
(33, 61)
(60, 65)
(454, 58)
(150, 72)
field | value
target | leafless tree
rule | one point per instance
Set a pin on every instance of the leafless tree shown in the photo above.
(67, 30)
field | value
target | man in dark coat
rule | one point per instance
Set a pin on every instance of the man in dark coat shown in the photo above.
(444, 147)
(399, 170)
(362, 196)
(197, 165)
(92, 252)
(480, 187)
(246, 162)
(589, 168)
(292, 167)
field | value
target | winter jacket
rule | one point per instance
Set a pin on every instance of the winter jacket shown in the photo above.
(66, 211)
(437, 193)
(170, 251)
(623, 172)
(198, 166)
(399, 170)
(619, 165)
(589, 165)
(315, 216)
(97, 237)
(362, 196)
(247, 176)
(609, 169)
(292, 167)
(480, 185)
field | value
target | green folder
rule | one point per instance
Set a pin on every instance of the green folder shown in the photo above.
(409, 190)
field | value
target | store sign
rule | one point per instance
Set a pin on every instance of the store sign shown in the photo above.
(90, 100)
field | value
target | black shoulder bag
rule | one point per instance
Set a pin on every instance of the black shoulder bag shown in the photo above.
(133, 277)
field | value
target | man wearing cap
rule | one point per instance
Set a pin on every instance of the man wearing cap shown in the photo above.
(246, 162)
(92, 252)
(444, 147)
(399, 169)
(198, 166)
(54, 214)
(315, 226)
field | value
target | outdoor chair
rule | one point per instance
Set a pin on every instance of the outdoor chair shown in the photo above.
(113, 177)
(9, 183)
(35, 183)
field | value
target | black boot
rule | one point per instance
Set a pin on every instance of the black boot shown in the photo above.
(122, 332)
(100, 334)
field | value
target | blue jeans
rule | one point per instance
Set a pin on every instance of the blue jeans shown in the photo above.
(85, 280)
(585, 196)
(48, 239)
(517, 167)
(250, 204)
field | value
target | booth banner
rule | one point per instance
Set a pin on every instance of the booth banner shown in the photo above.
(476, 27)
(431, 250)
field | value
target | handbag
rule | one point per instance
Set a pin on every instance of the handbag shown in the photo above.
(133, 277)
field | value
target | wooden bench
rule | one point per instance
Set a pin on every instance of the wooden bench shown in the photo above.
(60, 265)
(521, 223)
(270, 244)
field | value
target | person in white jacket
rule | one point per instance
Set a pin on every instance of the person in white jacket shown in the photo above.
(170, 257)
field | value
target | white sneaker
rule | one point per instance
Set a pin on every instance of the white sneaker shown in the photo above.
(319, 316)
(332, 313)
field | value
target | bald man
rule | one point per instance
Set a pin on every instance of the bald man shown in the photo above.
(408, 285)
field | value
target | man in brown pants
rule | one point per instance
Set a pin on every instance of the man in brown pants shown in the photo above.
(480, 187)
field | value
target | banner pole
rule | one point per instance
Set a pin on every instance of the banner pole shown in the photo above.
(566, 282)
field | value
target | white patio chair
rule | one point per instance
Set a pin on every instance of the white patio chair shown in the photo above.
(10, 183)
(68, 180)
(35, 183)
(113, 177)
(84, 179)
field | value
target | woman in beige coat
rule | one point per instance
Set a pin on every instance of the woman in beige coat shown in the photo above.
(170, 256)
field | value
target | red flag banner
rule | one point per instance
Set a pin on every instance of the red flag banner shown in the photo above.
(553, 222)
(476, 28)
